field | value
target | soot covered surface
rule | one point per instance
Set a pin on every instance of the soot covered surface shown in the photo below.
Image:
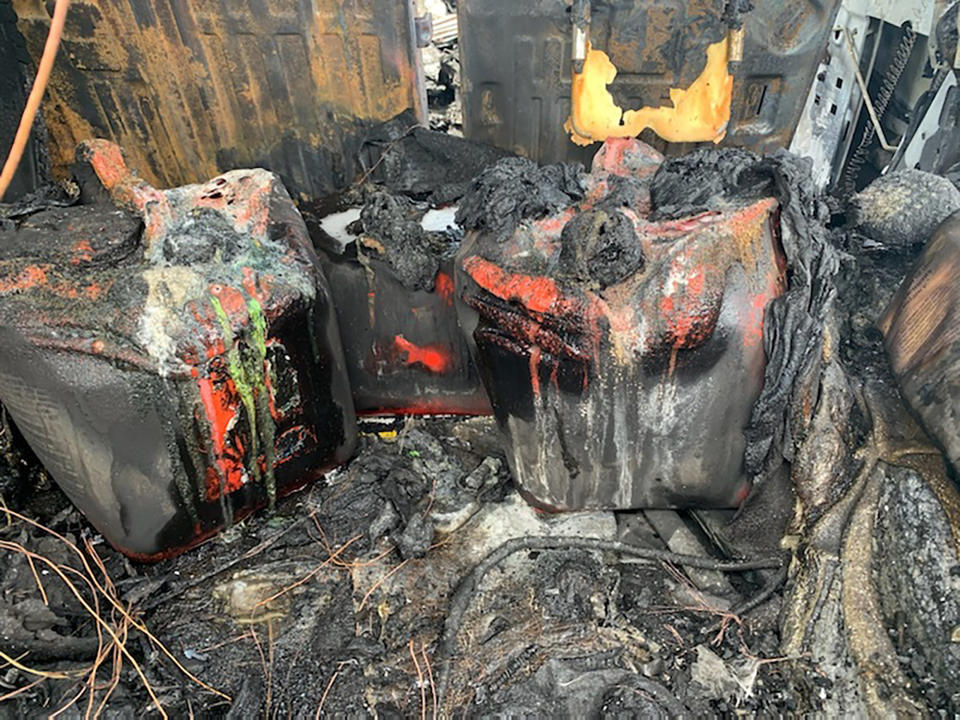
(154, 355)
(390, 271)
(611, 310)
(393, 226)
(341, 603)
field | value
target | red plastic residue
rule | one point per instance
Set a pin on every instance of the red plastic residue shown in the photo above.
(82, 252)
(444, 287)
(436, 358)
(221, 404)
(539, 294)
(32, 276)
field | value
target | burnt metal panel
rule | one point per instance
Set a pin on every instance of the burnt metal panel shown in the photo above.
(516, 64)
(190, 88)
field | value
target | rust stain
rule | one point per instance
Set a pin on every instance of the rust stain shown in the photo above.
(193, 88)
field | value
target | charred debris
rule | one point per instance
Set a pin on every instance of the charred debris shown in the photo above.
(411, 425)
(416, 579)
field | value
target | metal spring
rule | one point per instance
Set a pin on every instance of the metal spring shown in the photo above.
(887, 86)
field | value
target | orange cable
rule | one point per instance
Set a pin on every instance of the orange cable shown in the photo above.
(36, 95)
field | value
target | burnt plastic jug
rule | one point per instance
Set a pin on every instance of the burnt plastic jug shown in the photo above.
(174, 362)
(405, 351)
(622, 355)
(921, 328)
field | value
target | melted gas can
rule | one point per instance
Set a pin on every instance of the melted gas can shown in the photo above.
(921, 328)
(405, 351)
(175, 364)
(623, 356)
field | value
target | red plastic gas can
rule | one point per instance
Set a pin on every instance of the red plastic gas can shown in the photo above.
(175, 364)
(622, 355)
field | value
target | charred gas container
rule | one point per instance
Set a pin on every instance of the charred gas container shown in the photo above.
(921, 328)
(390, 268)
(175, 364)
(622, 354)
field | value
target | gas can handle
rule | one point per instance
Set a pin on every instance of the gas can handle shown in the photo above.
(127, 189)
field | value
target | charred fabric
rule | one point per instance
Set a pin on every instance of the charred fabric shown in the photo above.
(701, 332)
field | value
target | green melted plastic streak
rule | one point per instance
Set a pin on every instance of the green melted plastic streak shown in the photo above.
(247, 367)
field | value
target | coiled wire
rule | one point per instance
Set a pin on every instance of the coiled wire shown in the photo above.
(887, 86)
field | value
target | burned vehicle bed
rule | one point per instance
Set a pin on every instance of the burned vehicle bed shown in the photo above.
(447, 358)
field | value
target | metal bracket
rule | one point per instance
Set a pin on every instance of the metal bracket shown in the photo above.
(423, 28)
(823, 132)
(927, 128)
(580, 19)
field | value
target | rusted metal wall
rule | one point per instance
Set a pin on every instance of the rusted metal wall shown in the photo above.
(190, 88)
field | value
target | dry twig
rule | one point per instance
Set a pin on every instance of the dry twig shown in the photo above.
(112, 632)
(380, 582)
(433, 687)
(326, 692)
(423, 690)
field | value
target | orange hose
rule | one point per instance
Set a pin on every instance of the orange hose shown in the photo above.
(36, 95)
